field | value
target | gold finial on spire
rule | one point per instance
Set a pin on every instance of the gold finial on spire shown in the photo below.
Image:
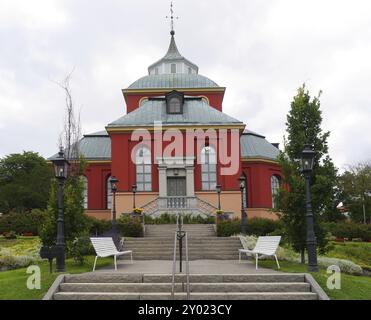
(171, 17)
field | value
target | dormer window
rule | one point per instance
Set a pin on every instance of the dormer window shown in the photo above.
(174, 102)
(174, 105)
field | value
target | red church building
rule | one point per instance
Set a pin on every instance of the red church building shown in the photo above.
(176, 144)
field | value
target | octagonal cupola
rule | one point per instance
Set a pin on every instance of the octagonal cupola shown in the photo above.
(172, 62)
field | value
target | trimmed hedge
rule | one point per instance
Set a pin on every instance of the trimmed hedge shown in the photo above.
(97, 227)
(22, 223)
(255, 226)
(167, 218)
(129, 226)
(349, 230)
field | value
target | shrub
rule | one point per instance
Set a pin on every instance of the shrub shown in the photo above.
(166, 218)
(345, 266)
(349, 230)
(98, 227)
(79, 248)
(255, 226)
(262, 227)
(129, 226)
(228, 228)
(197, 219)
(8, 260)
(22, 222)
(10, 235)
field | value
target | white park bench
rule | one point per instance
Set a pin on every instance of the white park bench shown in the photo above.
(265, 246)
(105, 247)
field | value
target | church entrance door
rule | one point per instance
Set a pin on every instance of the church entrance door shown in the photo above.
(176, 187)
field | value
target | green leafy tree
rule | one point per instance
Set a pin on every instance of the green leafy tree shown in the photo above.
(304, 127)
(76, 223)
(24, 182)
(355, 186)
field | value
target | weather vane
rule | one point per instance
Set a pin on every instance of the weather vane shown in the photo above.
(171, 17)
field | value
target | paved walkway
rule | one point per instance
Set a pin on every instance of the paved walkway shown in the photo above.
(195, 267)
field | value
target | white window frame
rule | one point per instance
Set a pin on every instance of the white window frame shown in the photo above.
(208, 169)
(275, 185)
(143, 165)
(108, 194)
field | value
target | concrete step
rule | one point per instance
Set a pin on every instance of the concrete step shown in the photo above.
(190, 258)
(191, 239)
(182, 296)
(190, 245)
(224, 249)
(107, 277)
(181, 287)
(138, 253)
(174, 227)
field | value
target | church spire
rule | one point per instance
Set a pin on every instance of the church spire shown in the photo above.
(171, 17)
(173, 61)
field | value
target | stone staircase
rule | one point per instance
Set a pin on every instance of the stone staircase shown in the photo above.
(120, 286)
(158, 243)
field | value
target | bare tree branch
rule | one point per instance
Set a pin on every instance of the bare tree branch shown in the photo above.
(71, 133)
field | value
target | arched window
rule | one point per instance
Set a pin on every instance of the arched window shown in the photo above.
(143, 169)
(85, 191)
(208, 168)
(108, 193)
(275, 185)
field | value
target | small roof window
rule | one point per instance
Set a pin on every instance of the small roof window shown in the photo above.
(174, 102)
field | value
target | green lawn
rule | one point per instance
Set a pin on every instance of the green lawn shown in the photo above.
(352, 287)
(358, 252)
(13, 282)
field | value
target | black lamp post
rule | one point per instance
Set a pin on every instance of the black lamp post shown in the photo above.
(134, 190)
(61, 171)
(307, 161)
(218, 190)
(113, 182)
(242, 183)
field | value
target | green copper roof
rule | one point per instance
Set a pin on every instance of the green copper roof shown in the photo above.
(194, 112)
(173, 80)
(173, 55)
(254, 145)
(97, 146)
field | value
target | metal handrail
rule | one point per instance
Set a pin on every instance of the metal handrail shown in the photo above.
(178, 235)
(187, 269)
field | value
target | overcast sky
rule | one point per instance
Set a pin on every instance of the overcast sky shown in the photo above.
(262, 51)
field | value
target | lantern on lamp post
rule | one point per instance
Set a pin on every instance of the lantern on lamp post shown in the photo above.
(218, 189)
(307, 162)
(61, 172)
(114, 181)
(242, 185)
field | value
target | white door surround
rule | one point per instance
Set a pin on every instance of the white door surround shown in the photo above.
(173, 167)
